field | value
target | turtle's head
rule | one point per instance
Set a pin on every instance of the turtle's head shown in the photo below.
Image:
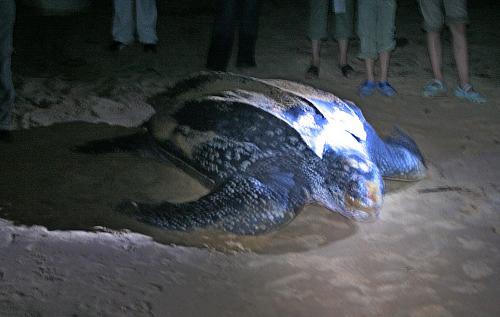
(354, 188)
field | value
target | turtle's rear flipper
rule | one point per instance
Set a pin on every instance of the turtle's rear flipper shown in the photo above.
(242, 205)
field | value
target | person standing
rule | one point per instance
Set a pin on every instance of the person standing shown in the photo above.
(376, 31)
(318, 30)
(454, 13)
(123, 27)
(7, 93)
(226, 14)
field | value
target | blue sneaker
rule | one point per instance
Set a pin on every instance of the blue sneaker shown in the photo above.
(467, 93)
(386, 89)
(367, 88)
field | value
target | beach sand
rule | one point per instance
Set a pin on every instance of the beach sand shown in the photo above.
(434, 251)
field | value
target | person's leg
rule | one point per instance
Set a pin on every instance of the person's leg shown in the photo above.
(316, 52)
(433, 20)
(432, 12)
(123, 21)
(456, 19)
(7, 93)
(146, 21)
(386, 29)
(344, 30)
(249, 25)
(460, 51)
(384, 87)
(370, 65)
(384, 59)
(368, 86)
(221, 43)
(318, 30)
(368, 50)
(435, 54)
(437, 86)
(343, 47)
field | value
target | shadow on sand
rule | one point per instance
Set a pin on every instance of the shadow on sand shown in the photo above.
(45, 183)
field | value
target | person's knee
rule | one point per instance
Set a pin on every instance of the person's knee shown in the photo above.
(434, 35)
(457, 28)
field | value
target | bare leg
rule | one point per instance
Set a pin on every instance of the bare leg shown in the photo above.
(435, 55)
(343, 46)
(460, 51)
(369, 62)
(316, 50)
(384, 65)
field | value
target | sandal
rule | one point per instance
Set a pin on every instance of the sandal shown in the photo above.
(312, 72)
(469, 94)
(386, 89)
(346, 70)
(435, 88)
(367, 88)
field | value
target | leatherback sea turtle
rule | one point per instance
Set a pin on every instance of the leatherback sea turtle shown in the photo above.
(269, 147)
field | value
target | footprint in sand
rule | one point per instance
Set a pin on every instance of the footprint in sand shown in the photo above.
(476, 269)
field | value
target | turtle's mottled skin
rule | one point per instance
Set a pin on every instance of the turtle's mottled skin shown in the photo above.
(269, 147)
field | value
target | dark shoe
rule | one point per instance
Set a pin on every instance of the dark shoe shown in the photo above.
(117, 46)
(312, 72)
(149, 48)
(346, 70)
(5, 136)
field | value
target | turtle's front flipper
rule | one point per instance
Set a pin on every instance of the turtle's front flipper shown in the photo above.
(397, 156)
(241, 205)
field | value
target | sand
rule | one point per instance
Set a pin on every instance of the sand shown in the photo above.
(434, 251)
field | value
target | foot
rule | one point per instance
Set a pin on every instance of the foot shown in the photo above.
(149, 48)
(386, 89)
(434, 88)
(312, 72)
(117, 46)
(5, 136)
(468, 93)
(367, 88)
(346, 70)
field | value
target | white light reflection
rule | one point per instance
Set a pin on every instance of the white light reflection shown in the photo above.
(338, 128)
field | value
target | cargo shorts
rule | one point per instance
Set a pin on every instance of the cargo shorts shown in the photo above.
(318, 20)
(438, 12)
(376, 27)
